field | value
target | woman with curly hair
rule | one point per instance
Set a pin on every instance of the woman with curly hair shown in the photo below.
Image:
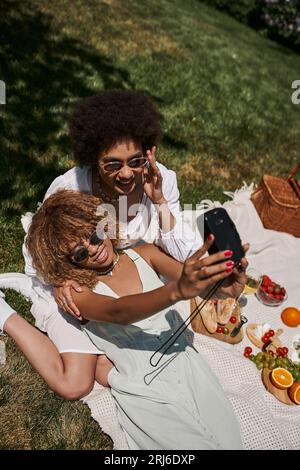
(128, 315)
(114, 135)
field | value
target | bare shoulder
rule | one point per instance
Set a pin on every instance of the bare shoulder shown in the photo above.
(145, 250)
(149, 252)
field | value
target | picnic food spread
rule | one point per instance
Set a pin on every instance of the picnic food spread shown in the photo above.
(222, 320)
(280, 375)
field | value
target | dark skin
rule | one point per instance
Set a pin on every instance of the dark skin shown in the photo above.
(195, 277)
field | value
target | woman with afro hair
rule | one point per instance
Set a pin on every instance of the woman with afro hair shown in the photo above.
(114, 135)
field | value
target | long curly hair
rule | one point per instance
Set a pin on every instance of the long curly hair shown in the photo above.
(101, 121)
(64, 219)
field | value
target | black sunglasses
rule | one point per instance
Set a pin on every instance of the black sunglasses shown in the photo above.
(81, 253)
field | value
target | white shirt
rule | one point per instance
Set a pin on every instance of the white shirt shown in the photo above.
(180, 242)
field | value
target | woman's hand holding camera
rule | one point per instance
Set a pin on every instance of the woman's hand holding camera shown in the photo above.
(234, 285)
(200, 274)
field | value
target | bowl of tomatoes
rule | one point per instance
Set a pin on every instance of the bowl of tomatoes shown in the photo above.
(270, 292)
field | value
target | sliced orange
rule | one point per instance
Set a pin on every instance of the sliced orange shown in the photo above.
(281, 378)
(294, 392)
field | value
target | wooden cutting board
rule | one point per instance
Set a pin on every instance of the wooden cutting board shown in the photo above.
(281, 395)
(199, 327)
(275, 341)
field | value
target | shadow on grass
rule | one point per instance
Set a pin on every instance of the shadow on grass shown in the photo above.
(45, 72)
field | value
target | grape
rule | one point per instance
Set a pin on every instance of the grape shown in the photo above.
(260, 356)
(252, 357)
(267, 358)
(272, 364)
(260, 365)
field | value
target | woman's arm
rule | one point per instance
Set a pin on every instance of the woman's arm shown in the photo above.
(127, 309)
(196, 276)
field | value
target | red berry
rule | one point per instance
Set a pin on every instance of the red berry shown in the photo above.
(271, 353)
(220, 329)
(279, 352)
(271, 333)
(248, 349)
(232, 319)
(246, 354)
(266, 279)
(285, 350)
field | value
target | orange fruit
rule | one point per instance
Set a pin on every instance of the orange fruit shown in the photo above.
(294, 392)
(281, 378)
(290, 316)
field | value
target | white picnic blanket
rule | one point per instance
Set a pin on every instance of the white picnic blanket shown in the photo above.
(265, 422)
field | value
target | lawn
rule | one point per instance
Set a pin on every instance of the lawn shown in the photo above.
(224, 94)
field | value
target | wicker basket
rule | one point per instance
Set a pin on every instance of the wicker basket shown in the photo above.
(277, 202)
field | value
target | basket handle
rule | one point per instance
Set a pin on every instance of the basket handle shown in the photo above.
(292, 180)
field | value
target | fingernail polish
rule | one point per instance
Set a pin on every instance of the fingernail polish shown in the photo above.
(229, 270)
(210, 236)
(228, 253)
(230, 263)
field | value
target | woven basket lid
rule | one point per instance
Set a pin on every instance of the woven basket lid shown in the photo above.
(281, 191)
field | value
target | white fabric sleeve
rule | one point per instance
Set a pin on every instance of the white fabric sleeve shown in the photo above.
(184, 239)
(59, 183)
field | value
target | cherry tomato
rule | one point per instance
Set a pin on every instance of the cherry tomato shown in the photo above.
(232, 319)
(220, 329)
(279, 352)
(248, 350)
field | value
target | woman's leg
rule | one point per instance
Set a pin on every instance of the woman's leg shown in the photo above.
(70, 375)
(103, 366)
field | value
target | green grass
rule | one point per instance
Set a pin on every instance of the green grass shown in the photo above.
(224, 95)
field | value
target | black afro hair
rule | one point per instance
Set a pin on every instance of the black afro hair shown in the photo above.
(100, 121)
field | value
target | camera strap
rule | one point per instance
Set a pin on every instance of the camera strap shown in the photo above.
(184, 325)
